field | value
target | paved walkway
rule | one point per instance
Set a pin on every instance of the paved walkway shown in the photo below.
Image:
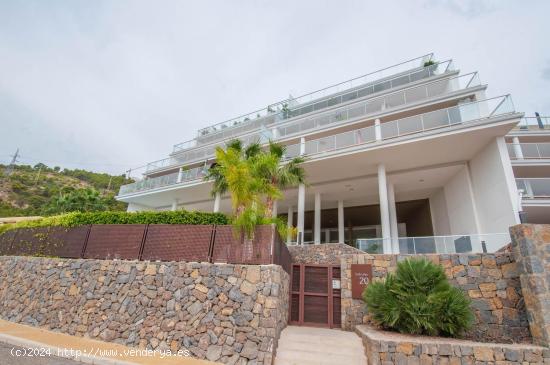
(319, 346)
(54, 344)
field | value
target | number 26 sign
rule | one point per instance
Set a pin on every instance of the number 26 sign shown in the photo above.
(361, 276)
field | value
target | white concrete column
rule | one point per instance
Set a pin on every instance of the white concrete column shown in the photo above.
(274, 133)
(517, 148)
(217, 201)
(377, 130)
(393, 219)
(275, 209)
(341, 232)
(301, 212)
(289, 224)
(180, 174)
(384, 208)
(317, 223)
(175, 205)
(327, 235)
(302, 146)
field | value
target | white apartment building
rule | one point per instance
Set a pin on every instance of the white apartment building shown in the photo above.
(413, 158)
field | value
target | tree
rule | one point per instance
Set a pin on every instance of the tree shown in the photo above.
(277, 175)
(80, 200)
(232, 173)
(254, 178)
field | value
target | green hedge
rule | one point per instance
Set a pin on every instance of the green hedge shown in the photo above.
(79, 219)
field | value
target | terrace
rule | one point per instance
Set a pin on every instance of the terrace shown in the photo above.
(415, 126)
(353, 111)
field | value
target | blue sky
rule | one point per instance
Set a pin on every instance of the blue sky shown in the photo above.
(108, 85)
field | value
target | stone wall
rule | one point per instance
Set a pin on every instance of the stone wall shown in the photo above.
(394, 348)
(220, 312)
(531, 249)
(490, 280)
(326, 253)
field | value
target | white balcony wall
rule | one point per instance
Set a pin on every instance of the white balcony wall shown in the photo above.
(439, 211)
(460, 204)
(135, 207)
(491, 185)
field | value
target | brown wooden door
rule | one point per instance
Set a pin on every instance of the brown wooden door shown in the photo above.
(314, 302)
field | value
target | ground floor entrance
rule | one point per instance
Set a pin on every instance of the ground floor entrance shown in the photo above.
(315, 295)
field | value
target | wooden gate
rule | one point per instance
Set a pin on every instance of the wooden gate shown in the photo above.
(315, 295)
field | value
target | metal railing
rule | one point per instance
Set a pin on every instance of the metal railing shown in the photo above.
(460, 114)
(476, 243)
(345, 85)
(533, 123)
(376, 105)
(164, 180)
(328, 97)
(365, 108)
(534, 188)
(520, 151)
(200, 153)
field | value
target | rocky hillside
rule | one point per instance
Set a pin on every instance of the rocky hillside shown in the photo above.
(42, 190)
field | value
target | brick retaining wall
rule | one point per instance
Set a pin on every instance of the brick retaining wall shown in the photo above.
(221, 312)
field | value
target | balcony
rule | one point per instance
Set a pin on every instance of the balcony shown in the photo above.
(529, 124)
(153, 183)
(531, 151)
(443, 118)
(360, 87)
(362, 109)
(439, 119)
(534, 188)
(475, 243)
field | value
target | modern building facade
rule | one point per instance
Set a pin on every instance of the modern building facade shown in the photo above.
(412, 158)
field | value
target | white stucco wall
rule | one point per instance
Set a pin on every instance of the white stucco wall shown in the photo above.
(440, 217)
(460, 204)
(134, 207)
(491, 185)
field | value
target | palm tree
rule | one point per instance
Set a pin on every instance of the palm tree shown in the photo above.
(232, 173)
(277, 175)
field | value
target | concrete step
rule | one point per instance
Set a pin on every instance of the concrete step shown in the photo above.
(301, 357)
(319, 346)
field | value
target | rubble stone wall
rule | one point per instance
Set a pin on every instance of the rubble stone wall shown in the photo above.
(220, 312)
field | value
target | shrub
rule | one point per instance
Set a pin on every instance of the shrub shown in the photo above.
(78, 219)
(418, 299)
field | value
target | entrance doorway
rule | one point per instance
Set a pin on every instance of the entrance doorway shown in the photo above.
(315, 295)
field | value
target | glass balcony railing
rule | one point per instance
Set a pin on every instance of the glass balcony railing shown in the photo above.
(534, 188)
(521, 151)
(366, 108)
(475, 243)
(460, 114)
(200, 153)
(362, 86)
(164, 180)
(149, 184)
(533, 123)
(377, 105)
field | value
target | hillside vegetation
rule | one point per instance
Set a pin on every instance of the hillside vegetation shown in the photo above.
(42, 190)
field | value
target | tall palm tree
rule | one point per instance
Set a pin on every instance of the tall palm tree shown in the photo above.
(232, 173)
(277, 175)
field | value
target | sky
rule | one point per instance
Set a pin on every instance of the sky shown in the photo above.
(112, 85)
